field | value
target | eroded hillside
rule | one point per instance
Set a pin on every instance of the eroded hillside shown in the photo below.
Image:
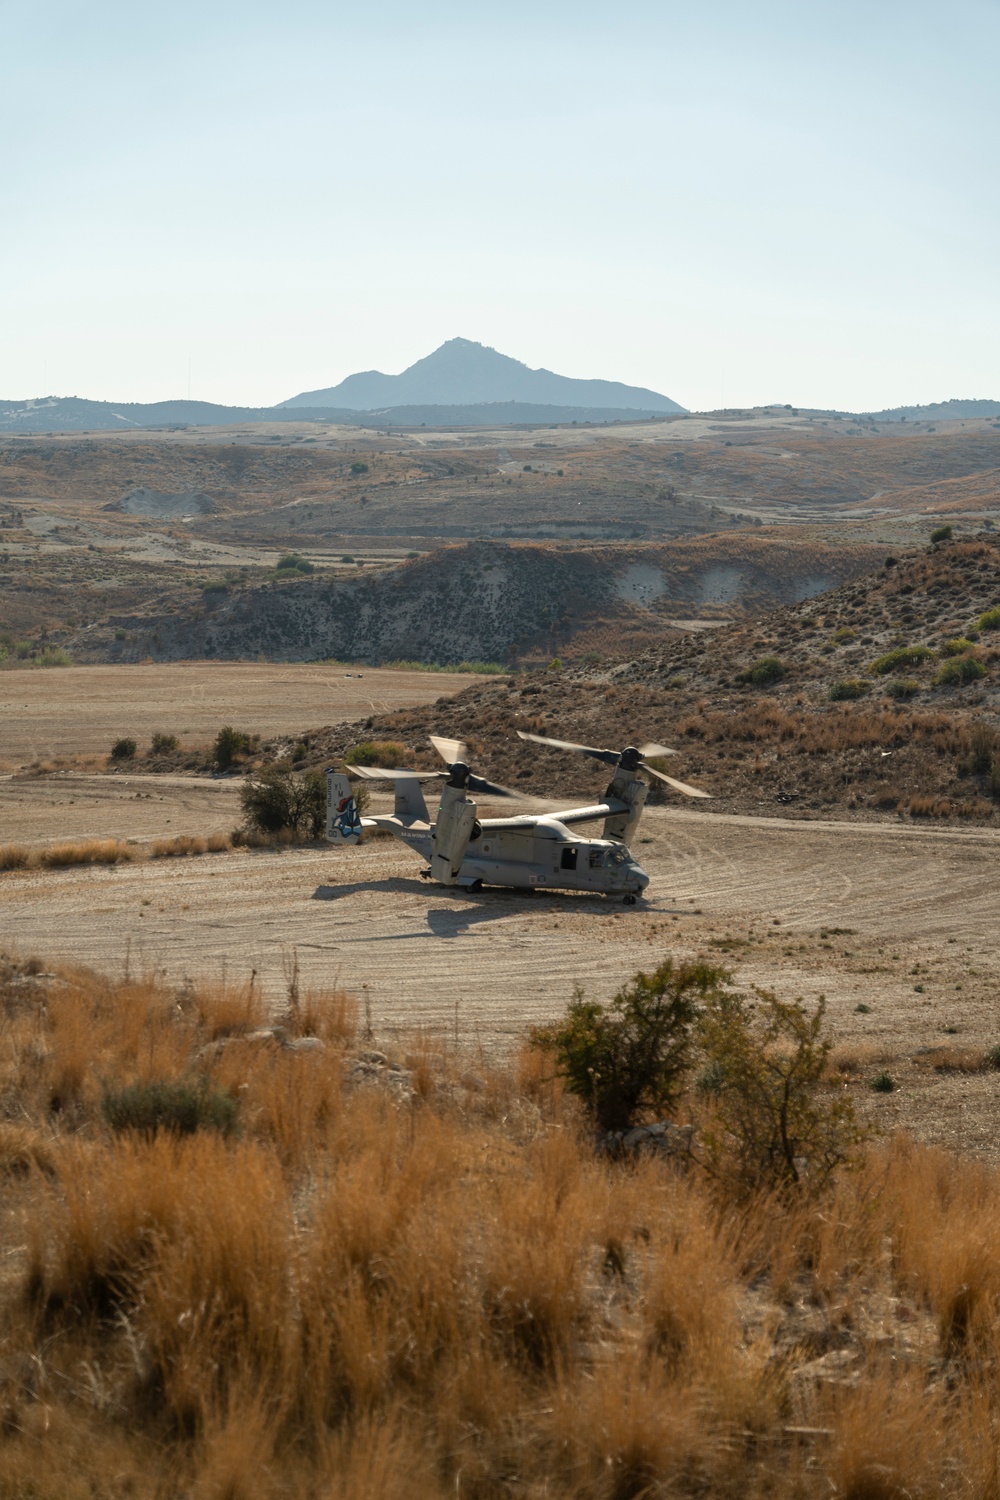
(485, 601)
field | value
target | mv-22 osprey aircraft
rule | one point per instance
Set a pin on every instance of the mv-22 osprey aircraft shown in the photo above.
(528, 852)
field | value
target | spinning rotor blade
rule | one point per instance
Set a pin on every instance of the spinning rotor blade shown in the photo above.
(654, 751)
(492, 788)
(678, 786)
(450, 751)
(609, 757)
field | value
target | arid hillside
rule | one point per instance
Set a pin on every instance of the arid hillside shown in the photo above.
(882, 696)
(483, 601)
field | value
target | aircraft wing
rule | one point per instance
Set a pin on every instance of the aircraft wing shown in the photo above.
(571, 815)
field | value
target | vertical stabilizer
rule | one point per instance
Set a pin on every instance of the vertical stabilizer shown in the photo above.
(410, 800)
(343, 822)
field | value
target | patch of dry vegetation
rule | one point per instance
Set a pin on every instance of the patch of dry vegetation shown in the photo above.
(439, 1289)
(72, 852)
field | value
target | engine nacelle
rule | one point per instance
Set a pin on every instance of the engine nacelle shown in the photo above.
(343, 822)
(453, 825)
(625, 788)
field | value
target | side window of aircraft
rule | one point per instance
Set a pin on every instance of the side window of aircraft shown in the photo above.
(568, 861)
(596, 858)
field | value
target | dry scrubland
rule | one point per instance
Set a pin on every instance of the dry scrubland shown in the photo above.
(881, 695)
(108, 585)
(413, 1276)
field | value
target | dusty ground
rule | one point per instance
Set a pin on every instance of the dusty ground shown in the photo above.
(68, 711)
(899, 919)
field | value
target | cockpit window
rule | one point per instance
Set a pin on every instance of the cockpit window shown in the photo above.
(617, 857)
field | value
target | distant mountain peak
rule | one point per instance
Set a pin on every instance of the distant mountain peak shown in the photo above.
(461, 372)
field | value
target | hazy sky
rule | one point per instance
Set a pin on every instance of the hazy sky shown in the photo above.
(728, 202)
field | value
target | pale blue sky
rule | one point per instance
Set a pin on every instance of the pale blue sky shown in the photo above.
(727, 202)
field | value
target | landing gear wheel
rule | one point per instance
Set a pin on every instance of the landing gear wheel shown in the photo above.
(475, 887)
(629, 900)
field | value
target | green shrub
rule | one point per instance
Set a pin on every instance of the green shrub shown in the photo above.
(181, 1106)
(123, 749)
(53, 656)
(990, 620)
(844, 634)
(882, 1083)
(230, 745)
(956, 647)
(992, 1058)
(388, 753)
(774, 1123)
(293, 562)
(765, 669)
(850, 688)
(959, 671)
(903, 687)
(901, 656)
(359, 468)
(347, 558)
(164, 744)
(632, 1055)
(277, 798)
(942, 534)
(555, 665)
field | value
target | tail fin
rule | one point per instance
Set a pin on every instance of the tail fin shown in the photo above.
(343, 822)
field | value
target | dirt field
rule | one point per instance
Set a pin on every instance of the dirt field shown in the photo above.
(899, 919)
(82, 710)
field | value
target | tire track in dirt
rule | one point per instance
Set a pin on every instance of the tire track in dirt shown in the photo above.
(362, 917)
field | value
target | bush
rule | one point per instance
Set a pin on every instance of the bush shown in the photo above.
(123, 749)
(903, 687)
(164, 744)
(959, 671)
(388, 753)
(942, 534)
(956, 647)
(293, 562)
(182, 1106)
(773, 1124)
(990, 620)
(277, 798)
(53, 656)
(347, 558)
(882, 1083)
(902, 656)
(632, 1055)
(851, 688)
(844, 634)
(359, 468)
(230, 745)
(765, 669)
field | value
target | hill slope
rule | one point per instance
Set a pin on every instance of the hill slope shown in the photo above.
(783, 747)
(461, 372)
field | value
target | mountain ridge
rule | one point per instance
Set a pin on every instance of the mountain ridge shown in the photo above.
(463, 372)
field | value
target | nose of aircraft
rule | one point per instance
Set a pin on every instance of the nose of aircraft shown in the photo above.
(640, 877)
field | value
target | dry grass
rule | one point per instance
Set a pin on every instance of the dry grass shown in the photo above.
(108, 851)
(381, 1291)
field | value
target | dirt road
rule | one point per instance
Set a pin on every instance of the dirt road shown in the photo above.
(900, 919)
(53, 711)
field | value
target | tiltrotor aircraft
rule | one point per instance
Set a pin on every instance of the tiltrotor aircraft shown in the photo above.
(528, 852)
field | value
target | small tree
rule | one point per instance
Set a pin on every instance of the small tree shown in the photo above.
(277, 798)
(942, 534)
(773, 1123)
(632, 1055)
(123, 749)
(229, 745)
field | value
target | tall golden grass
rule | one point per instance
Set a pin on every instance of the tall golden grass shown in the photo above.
(372, 1292)
(71, 852)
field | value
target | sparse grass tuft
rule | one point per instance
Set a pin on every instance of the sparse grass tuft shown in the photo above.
(388, 753)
